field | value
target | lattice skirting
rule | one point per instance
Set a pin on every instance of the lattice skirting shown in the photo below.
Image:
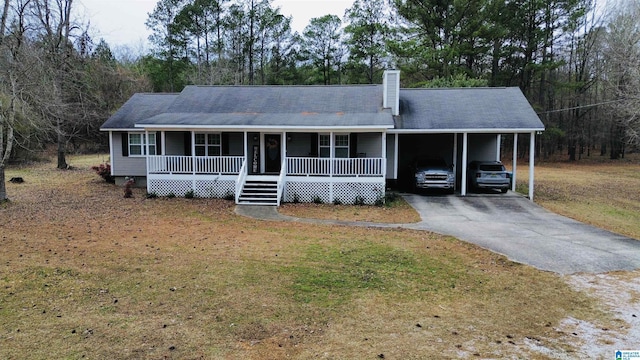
(215, 188)
(343, 192)
(203, 188)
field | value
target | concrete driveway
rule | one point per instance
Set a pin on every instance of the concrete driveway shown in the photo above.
(512, 225)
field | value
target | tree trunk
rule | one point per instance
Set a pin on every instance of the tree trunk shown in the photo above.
(3, 187)
(62, 161)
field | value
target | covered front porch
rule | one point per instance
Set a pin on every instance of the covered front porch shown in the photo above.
(267, 167)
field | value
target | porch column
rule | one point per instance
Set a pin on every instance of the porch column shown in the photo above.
(532, 156)
(455, 158)
(284, 146)
(164, 143)
(515, 162)
(246, 147)
(465, 142)
(193, 151)
(383, 167)
(498, 143)
(146, 150)
(332, 154)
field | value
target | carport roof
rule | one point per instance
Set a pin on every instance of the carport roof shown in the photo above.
(466, 109)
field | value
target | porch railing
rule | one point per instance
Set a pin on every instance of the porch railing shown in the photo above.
(302, 166)
(195, 164)
(295, 166)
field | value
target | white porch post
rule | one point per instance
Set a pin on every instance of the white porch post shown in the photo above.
(284, 145)
(246, 146)
(455, 158)
(532, 156)
(498, 143)
(246, 152)
(465, 142)
(193, 159)
(164, 143)
(146, 150)
(515, 162)
(384, 154)
(332, 154)
(111, 153)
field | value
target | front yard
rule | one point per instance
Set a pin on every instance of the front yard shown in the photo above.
(85, 272)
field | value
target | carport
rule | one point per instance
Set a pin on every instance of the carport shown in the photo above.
(460, 125)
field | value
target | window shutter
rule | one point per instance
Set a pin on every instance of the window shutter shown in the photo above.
(187, 144)
(353, 145)
(225, 144)
(125, 144)
(314, 144)
(158, 142)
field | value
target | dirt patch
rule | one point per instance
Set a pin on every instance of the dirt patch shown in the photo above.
(619, 294)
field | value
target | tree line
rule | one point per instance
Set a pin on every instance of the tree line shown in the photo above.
(577, 64)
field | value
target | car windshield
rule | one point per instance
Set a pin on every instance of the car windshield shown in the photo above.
(431, 163)
(491, 167)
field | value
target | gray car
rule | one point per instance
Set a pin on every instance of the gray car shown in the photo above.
(433, 174)
(488, 175)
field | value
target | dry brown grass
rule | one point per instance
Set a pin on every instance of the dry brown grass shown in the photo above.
(397, 212)
(596, 191)
(87, 273)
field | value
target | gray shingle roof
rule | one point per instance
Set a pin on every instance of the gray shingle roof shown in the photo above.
(329, 106)
(466, 109)
(138, 108)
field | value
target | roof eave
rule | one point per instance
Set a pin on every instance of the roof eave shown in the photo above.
(462, 131)
(261, 128)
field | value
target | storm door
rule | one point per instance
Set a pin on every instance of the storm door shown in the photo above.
(272, 153)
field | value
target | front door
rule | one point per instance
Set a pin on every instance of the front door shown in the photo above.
(273, 153)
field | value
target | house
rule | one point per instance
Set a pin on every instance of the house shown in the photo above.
(266, 144)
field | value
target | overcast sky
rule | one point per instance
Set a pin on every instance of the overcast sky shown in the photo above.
(121, 22)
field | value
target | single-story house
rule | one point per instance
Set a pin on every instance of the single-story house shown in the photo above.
(267, 144)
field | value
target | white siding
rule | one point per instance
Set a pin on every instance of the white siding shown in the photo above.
(482, 147)
(236, 144)
(299, 145)
(391, 156)
(391, 95)
(125, 165)
(174, 143)
(371, 144)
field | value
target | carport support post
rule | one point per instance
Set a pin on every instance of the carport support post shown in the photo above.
(465, 141)
(515, 160)
(498, 145)
(532, 156)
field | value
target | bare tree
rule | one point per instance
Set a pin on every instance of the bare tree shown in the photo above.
(622, 79)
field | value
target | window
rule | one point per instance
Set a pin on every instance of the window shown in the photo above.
(342, 146)
(208, 144)
(325, 146)
(138, 144)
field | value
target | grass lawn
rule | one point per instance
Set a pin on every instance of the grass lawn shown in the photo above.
(596, 191)
(85, 272)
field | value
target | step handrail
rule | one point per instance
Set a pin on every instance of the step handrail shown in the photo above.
(281, 180)
(242, 177)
